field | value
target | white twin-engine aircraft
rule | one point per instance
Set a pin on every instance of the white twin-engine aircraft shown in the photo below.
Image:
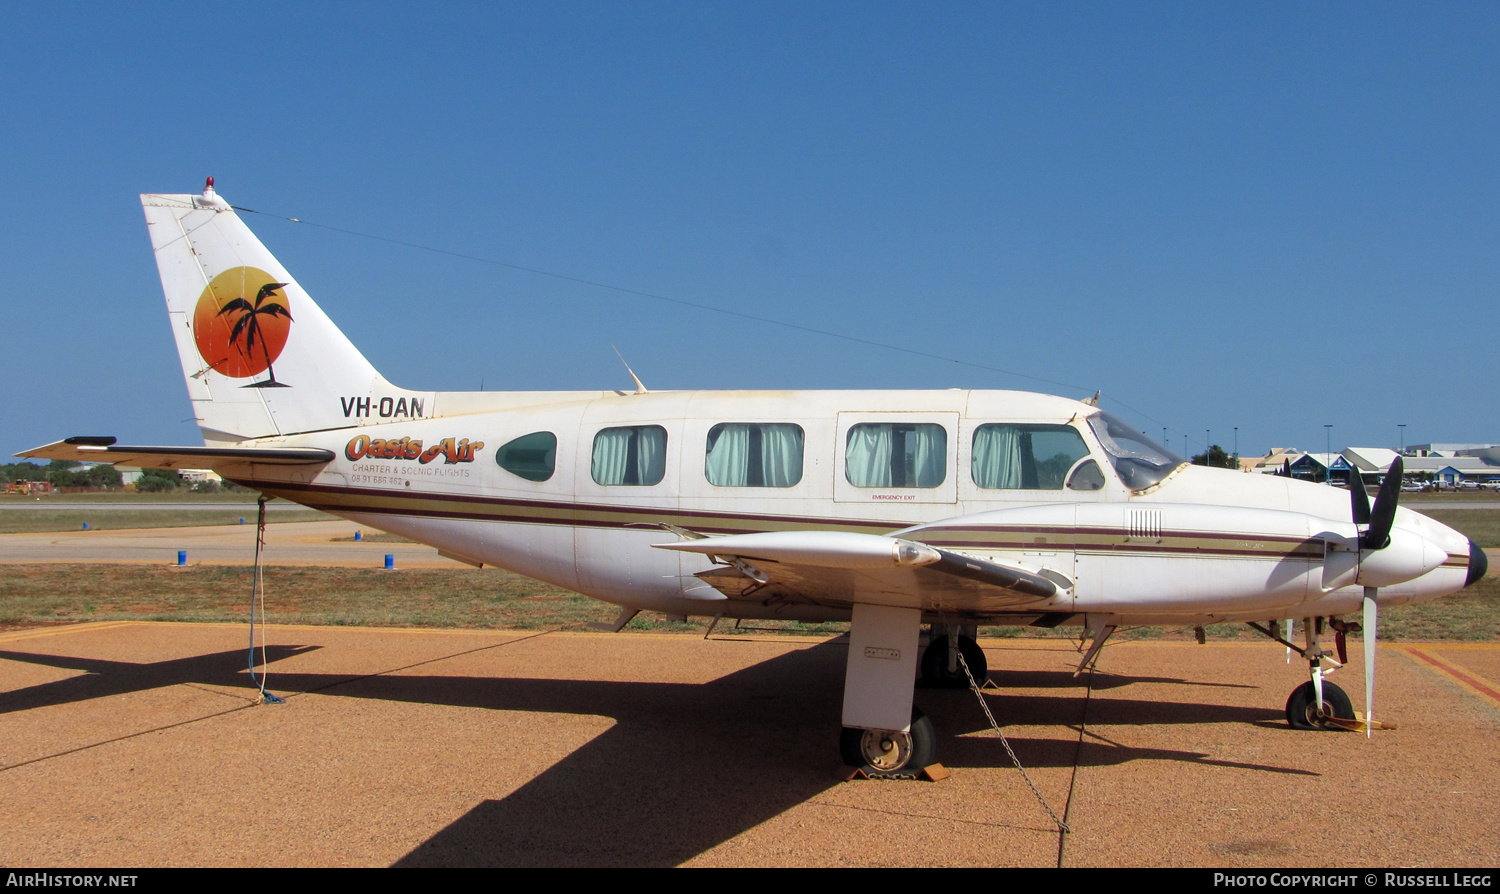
(889, 509)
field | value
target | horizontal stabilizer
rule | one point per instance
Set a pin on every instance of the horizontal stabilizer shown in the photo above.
(104, 450)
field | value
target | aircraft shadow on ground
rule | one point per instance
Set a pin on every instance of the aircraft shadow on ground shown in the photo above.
(686, 766)
(101, 678)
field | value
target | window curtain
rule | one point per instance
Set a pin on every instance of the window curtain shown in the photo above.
(728, 463)
(781, 454)
(651, 454)
(997, 457)
(611, 453)
(928, 446)
(867, 458)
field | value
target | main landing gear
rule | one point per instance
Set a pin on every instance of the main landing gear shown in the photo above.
(884, 734)
(888, 753)
(940, 667)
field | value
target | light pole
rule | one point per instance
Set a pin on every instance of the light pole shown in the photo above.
(1236, 448)
(1327, 452)
(1402, 427)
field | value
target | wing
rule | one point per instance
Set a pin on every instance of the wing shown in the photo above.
(839, 569)
(105, 450)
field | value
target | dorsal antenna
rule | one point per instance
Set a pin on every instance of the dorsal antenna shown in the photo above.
(640, 387)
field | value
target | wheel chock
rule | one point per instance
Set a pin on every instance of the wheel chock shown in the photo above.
(930, 773)
(1359, 724)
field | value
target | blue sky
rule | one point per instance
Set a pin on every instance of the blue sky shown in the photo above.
(1270, 216)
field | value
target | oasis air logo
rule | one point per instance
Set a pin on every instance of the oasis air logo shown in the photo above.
(241, 324)
(449, 450)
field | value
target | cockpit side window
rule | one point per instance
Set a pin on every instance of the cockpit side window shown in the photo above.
(1011, 456)
(1139, 461)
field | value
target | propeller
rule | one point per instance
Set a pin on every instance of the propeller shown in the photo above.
(1378, 520)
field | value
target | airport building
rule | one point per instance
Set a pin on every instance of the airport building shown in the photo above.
(1448, 465)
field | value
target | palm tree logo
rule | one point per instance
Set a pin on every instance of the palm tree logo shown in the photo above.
(248, 325)
(240, 337)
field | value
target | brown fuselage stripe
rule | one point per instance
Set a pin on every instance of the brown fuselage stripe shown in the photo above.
(590, 515)
(595, 515)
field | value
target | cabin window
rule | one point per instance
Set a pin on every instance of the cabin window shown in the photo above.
(896, 454)
(751, 454)
(533, 456)
(633, 454)
(1025, 457)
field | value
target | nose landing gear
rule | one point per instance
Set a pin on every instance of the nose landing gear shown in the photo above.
(1304, 712)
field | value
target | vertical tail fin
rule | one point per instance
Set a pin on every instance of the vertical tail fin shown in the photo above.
(260, 357)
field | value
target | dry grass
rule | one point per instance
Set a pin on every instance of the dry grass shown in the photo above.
(30, 521)
(490, 598)
(448, 598)
(1480, 525)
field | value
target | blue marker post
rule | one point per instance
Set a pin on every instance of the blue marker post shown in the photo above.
(182, 558)
(390, 562)
(242, 521)
(85, 526)
(358, 536)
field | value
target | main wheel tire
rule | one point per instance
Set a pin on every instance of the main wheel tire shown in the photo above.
(883, 753)
(935, 671)
(1302, 707)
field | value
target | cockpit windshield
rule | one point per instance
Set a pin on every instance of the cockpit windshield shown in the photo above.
(1140, 461)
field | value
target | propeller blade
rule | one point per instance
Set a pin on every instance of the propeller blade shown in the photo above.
(1369, 624)
(1359, 497)
(1383, 515)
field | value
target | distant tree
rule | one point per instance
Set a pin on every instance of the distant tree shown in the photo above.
(1216, 458)
(103, 475)
(158, 480)
(64, 473)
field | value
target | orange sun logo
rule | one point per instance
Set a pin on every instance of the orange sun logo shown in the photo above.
(241, 324)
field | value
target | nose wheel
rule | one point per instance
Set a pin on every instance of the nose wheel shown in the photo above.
(1302, 711)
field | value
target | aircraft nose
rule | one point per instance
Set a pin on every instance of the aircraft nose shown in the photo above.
(1479, 563)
